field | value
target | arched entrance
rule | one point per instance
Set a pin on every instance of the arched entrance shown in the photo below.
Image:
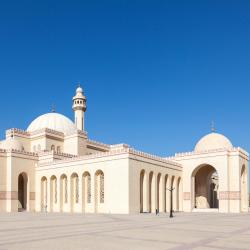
(205, 181)
(22, 192)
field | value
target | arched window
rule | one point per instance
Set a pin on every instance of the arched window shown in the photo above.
(53, 191)
(88, 189)
(64, 189)
(58, 150)
(102, 188)
(74, 188)
(43, 193)
(99, 186)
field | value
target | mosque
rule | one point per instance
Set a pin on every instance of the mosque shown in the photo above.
(54, 167)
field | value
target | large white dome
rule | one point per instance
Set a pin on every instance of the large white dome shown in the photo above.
(213, 141)
(53, 121)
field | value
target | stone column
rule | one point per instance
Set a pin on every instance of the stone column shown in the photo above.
(168, 193)
(162, 195)
(154, 193)
(175, 194)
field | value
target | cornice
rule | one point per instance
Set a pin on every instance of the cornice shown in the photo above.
(114, 153)
(98, 144)
(221, 150)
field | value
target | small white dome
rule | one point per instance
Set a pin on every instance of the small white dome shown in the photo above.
(79, 90)
(213, 141)
(53, 121)
(12, 143)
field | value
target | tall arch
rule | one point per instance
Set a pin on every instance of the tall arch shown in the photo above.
(244, 189)
(63, 191)
(99, 189)
(178, 194)
(205, 185)
(22, 192)
(86, 190)
(44, 193)
(159, 193)
(53, 192)
(142, 179)
(74, 191)
(143, 192)
(152, 192)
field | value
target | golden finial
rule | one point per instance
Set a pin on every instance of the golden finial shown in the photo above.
(213, 127)
(53, 108)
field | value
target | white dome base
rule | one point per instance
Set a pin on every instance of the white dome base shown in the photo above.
(53, 121)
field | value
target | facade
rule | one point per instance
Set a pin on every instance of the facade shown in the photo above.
(53, 166)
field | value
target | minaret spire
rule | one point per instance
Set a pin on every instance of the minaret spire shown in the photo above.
(79, 106)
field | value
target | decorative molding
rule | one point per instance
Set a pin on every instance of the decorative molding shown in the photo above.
(22, 152)
(49, 152)
(154, 157)
(16, 131)
(98, 144)
(114, 152)
(8, 195)
(186, 196)
(229, 195)
(47, 131)
(234, 149)
(121, 145)
(32, 196)
(86, 157)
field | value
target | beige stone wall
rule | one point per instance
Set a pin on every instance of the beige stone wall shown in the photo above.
(3, 182)
(152, 193)
(228, 166)
(115, 169)
(12, 164)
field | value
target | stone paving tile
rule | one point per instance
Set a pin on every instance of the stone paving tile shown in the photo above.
(125, 232)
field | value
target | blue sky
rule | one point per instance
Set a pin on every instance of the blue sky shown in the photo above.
(156, 73)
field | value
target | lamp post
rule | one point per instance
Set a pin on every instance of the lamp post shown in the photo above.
(171, 202)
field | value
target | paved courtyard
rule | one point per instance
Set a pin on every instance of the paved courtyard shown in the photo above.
(145, 231)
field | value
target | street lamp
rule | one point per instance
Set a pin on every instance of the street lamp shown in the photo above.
(171, 201)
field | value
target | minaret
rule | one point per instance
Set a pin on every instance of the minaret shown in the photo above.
(79, 106)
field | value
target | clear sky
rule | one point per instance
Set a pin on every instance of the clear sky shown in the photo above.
(156, 73)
